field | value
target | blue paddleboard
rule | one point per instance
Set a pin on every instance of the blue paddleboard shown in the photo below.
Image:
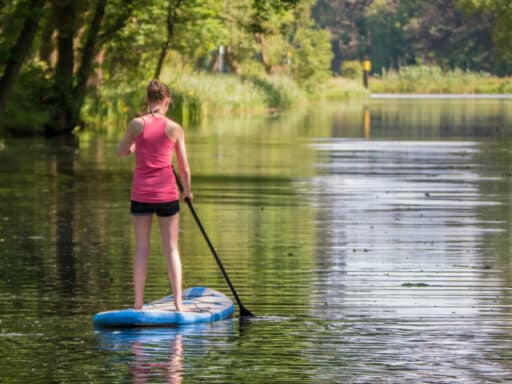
(202, 305)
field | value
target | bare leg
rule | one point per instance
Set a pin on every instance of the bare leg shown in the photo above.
(169, 233)
(142, 229)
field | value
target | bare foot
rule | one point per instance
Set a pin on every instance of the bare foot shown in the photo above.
(181, 308)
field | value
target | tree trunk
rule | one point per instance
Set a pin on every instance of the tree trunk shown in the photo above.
(69, 97)
(20, 50)
(260, 39)
(161, 58)
(65, 15)
(172, 9)
(89, 53)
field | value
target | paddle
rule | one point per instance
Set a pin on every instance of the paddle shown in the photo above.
(244, 312)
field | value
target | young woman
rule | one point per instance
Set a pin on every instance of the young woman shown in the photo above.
(153, 137)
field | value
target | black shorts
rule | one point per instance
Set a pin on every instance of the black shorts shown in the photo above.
(161, 209)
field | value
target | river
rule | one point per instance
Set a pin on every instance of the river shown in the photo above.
(372, 241)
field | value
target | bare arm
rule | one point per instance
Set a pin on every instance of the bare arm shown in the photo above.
(127, 145)
(183, 165)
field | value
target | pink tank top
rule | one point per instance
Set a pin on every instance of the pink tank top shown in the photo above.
(153, 178)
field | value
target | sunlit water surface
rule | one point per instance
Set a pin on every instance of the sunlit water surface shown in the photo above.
(372, 241)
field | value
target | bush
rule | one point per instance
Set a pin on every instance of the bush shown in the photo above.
(311, 59)
(27, 111)
(505, 86)
(352, 69)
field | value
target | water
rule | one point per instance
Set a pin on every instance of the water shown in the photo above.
(372, 241)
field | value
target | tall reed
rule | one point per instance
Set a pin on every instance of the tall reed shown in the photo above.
(433, 79)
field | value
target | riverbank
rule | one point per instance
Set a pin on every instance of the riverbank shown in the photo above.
(423, 79)
(201, 96)
(438, 96)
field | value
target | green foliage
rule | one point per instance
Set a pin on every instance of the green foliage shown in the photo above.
(435, 32)
(132, 55)
(269, 15)
(500, 12)
(28, 110)
(199, 29)
(11, 20)
(110, 109)
(352, 69)
(311, 58)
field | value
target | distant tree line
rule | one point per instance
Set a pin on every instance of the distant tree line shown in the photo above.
(467, 34)
(55, 52)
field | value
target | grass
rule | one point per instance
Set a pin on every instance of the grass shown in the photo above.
(217, 94)
(339, 89)
(432, 79)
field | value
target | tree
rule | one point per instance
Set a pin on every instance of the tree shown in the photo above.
(70, 85)
(393, 33)
(33, 10)
(500, 14)
(172, 10)
(311, 49)
(312, 57)
(345, 21)
(155, 34)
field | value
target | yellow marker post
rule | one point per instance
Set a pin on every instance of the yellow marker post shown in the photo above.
(367, 68)
(367, 65)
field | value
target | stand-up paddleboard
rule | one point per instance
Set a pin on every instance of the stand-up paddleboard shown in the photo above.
(202, 305)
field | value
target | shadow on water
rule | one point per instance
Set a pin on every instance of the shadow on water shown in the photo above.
(66, 152)
(161, 353)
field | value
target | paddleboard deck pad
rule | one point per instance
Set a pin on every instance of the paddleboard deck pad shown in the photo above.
(202, 305)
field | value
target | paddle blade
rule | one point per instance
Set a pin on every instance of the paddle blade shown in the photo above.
(244, 312)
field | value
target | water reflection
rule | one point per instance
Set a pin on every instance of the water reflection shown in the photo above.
(425, 119)
(159, 354)
(144, 369)
(404, 258)
(65, 156)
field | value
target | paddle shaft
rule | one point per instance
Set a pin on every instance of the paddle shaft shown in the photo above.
(243, 311)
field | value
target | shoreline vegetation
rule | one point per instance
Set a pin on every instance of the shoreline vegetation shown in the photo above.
(70, 66)
(200, 96)
(422, 79)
